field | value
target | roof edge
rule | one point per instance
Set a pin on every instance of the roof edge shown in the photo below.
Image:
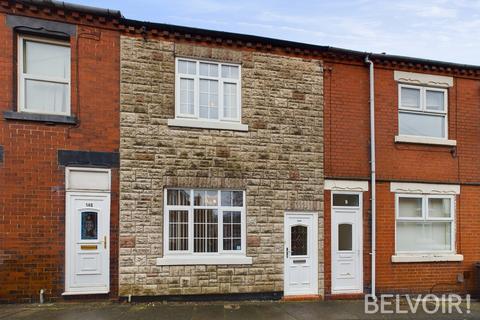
(147, 26)
(439, 63)
(62, 5)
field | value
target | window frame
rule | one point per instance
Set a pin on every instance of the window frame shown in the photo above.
(196, 85)
(359, 194)
(425, 217)
(190, 251)
(22, 77)
(422, 110)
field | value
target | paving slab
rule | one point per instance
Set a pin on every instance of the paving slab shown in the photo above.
(324, 310)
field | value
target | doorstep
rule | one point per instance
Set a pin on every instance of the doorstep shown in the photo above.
(306, 297)
(345, 296)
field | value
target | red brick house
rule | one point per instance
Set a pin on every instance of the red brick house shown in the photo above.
(427, 176)
(59, 140)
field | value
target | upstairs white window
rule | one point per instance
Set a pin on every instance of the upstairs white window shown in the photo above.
(423, 111)
(208, 91)
(204, 222)
(43, 76)
(425, 224)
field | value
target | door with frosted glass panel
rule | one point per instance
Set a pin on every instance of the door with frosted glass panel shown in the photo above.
(346, 232)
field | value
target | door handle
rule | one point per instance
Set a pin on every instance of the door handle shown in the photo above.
(104, 242)
(286, 251)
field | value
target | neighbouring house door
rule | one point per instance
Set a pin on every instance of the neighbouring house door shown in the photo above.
(301, 253)
(87, 243)
(347, 253)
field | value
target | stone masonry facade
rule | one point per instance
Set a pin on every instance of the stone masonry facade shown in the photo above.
(278, 162)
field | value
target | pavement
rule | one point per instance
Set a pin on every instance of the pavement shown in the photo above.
(276, 310)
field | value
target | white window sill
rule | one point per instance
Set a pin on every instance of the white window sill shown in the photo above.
(77, 293)
(192, 123)
(425, 140)
(427, 258)
(202, 260)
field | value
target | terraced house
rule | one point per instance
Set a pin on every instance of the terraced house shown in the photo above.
(423, 212)
(248, 166)
(221, 151)
(59, 141)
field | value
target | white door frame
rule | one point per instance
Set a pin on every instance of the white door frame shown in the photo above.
(92, 183)
(314, 216)
(359, 233)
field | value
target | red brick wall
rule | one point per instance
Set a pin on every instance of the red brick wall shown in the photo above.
(406, 161)
(468, 129)
(347, 156)
(32, 188)
(347, 121)
(426, 277)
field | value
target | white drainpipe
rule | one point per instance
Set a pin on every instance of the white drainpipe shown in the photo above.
(372, 170)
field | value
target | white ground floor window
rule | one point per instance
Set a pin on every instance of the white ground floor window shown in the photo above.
(425, 223)
(204, 222)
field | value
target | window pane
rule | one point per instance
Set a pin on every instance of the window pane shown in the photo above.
(421, 125)
(46, 59)
(299, 240)
(211, 198)
(237, 198)
(205, 237)
(345, 237)
(199, 196)
(178, 197)
(409, 207)
(236, 229)
(237, 244)
(186, 96)
(89, 225)
(424, 236)
(230, 100)
(187, 67)
(236, 217)
(226, 198)
(435, 100)
(230, 72)
(345, 200)
(44, 96)
(206, 197)
(232, 198)
(232, 230)
(209, 69)
(410, 97)
(439, 208)
(208, 99)
(178, 230)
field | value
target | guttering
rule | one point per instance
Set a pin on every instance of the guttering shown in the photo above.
(74, 7)
(372, 169)
(217, 36)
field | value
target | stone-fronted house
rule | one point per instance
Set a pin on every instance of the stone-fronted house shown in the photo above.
(221, 162)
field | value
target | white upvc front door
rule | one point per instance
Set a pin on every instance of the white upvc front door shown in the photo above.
(301, 253)
(347, 243)
(87, 243)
